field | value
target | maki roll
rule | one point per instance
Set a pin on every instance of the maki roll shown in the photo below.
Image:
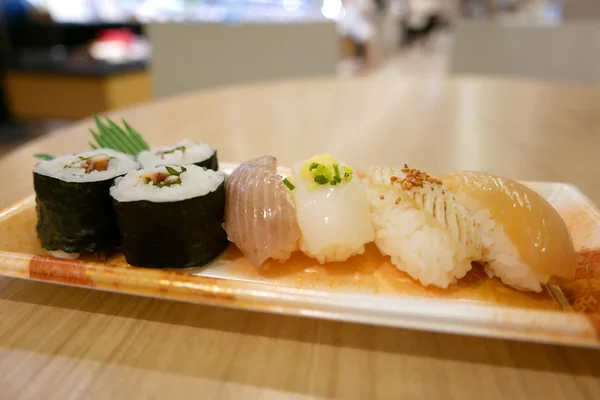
(171, 216)
(182, 153)
(75, 211)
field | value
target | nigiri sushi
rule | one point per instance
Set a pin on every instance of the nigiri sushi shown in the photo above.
(525, 239)
(420, 226)
(332, 210)
(259, 215)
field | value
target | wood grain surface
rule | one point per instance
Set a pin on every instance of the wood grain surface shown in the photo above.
(65, 343)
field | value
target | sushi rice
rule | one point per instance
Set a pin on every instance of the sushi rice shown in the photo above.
(195, 182)
(60, 167)
(500, 255)
(184, 152)
(426, 234)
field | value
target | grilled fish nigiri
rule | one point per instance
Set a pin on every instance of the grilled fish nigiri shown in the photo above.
(259, 216)
(333, 210)
(525, 240)
(420, 225)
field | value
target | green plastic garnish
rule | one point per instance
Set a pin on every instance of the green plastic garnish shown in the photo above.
(111, 136)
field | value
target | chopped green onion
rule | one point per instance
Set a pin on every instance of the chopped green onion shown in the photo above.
(336, 169)
(313, 166)
(147, 180)
(173, 171)
(288, 184)
(321, 180)
(333, 182)
(183, 169)
(348, 174)
(180, 148)
(44, 156)
(168, 184)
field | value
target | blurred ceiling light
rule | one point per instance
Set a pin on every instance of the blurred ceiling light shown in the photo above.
(71, 11)
(332, 9)
(291, 5)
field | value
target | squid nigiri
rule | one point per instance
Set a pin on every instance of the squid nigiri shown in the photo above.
(332, 210)
(526, 242)
(420, 226)
(259, 215)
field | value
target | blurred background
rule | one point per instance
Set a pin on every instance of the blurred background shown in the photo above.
(62, 60)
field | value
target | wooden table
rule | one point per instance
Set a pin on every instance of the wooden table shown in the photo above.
(62, 343)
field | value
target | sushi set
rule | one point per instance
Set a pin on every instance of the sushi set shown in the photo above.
(467, 252)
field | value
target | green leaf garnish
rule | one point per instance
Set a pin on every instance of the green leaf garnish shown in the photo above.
(44, 156)
(183, 169)
(111, 136)
(288, 184)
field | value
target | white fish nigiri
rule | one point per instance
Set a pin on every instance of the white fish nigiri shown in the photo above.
(332, 209)
(421, 227)
(259, 215)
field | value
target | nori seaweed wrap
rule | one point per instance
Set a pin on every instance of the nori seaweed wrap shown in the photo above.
(171, 217)
(185, 152)
(74, 207)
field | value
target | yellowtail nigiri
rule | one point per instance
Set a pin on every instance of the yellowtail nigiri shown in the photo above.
(525, 240)
(419, 224)
(259, 215)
